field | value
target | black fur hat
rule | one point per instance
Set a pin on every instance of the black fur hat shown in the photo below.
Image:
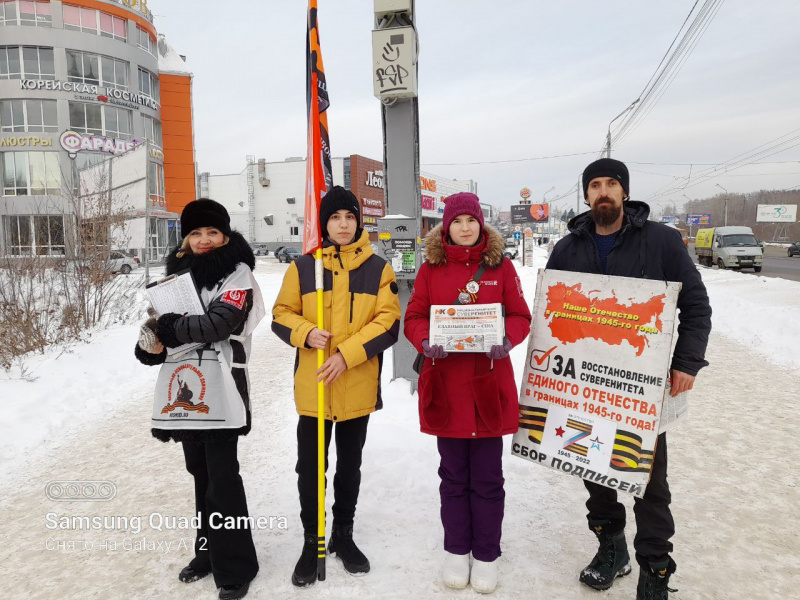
(205, 213)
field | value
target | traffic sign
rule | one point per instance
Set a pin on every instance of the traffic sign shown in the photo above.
(517, 227)
(517, 235)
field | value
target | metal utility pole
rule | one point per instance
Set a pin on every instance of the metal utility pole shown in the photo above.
(147, 203)
(608, 135)
(251, 199)
(726, 202)
(394, 53)
(688, 220)
(549, 212)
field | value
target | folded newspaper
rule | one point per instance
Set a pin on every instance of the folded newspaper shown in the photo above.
(673, 410)
(467, 327)
(177, 294)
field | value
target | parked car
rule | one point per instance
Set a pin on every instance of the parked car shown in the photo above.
(117, 262)
(259, 249)
(291, 254)
(129, 255)
(282, 253)
(510, 250)
(278, 251)
(121, 263)
(794, 249)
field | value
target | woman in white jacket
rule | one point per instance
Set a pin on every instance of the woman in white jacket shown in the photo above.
(202, 396)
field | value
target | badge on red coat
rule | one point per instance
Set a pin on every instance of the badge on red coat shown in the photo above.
(519, 287)
(235, 298)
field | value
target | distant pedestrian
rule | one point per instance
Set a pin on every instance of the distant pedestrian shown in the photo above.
(468, 400)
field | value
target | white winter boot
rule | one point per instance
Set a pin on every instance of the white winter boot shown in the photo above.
(484, 576)
(455, 571)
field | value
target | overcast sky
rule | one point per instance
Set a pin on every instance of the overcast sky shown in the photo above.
(503, 81)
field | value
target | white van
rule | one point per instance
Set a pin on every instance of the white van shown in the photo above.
(729, 248)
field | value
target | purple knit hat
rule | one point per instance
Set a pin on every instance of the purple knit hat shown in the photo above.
(459, 204)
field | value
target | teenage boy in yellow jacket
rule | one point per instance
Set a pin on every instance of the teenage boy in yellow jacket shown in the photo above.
(362, 319)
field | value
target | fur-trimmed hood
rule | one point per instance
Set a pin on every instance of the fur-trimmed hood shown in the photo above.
(210, 268)
(436, 250)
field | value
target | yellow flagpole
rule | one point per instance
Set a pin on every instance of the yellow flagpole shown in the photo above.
(320, 426)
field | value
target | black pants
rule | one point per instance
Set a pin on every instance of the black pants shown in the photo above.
(654, 523)
(218, 488)
(350, 438)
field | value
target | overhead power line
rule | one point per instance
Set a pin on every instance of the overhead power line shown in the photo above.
(668, 68)
(510, 160)
(775, 146)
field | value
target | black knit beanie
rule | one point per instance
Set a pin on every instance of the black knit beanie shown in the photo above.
(607, 167)
(205, 213)
(336, 199)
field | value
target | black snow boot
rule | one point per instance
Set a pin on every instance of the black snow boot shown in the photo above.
(189, 573)
(343, 546)
(234, 592)
(611, 560)
(654, 579)
(305, 571)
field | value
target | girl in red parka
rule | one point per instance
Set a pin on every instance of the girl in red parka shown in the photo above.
(469, 401)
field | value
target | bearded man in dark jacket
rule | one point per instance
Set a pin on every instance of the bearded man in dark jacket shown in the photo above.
(615, 238)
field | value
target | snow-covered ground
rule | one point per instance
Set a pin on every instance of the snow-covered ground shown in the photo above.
(86, 417)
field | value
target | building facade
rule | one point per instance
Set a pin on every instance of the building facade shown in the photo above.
(80, 83)
(364, 177)
(266, 199)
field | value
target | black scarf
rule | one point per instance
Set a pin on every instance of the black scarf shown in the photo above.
(211, 267)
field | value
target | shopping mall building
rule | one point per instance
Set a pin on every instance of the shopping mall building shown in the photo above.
(82, 81)
(265, 200)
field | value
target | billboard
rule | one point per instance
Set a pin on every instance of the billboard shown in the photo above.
(776, 213)
(698, 219)
(530, 213)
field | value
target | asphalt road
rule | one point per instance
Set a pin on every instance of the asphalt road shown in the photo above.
(776, 263)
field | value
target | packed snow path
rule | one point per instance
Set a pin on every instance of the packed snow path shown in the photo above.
(732, 473)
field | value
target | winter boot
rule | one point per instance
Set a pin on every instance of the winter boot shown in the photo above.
(455, 570)
(611, 560)
(483, 576)
(343, 546)
(305, 571)
(234, 592)
(189, 573)
(654, 579)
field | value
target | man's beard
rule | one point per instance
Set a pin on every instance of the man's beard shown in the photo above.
(605, 212)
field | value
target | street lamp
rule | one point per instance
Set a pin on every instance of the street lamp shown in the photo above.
(726, 202)
(608, 136)
(544, 201)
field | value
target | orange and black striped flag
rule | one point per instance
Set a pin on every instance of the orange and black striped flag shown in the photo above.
(319, 173)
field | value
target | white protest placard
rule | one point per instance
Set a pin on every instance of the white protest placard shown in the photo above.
(595, 376)
(467, 327)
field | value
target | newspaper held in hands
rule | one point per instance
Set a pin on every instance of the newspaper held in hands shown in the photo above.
(467, 327)
(673, 410)
(177, 294)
